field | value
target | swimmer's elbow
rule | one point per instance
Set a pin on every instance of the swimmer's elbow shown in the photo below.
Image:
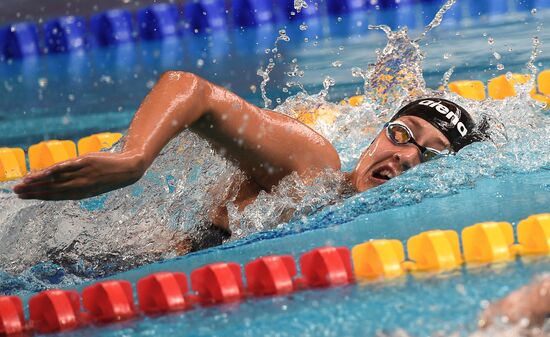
(182, 78)
(189, 83)
(333, 159)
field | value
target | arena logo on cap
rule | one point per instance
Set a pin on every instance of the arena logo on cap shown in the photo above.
(450, 115)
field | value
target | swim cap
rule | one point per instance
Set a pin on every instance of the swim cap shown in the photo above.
(448, 117)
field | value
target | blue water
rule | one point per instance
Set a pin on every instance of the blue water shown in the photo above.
(69, 96)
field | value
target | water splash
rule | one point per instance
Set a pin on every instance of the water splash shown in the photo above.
(438, 18)
(264, 73)
(299, 5)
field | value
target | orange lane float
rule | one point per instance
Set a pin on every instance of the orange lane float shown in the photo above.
(534, 234)
(488, 242)
(469, 89)
(434, 250)
(378, 258)
(12, 164)
(50, 152)
(97, 142)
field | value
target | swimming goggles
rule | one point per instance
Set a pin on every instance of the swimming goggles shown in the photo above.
(400, 134)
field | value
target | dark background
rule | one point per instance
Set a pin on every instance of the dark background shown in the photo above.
(41, 10)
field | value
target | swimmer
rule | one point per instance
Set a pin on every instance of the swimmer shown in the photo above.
(528, 306)
(267, 146)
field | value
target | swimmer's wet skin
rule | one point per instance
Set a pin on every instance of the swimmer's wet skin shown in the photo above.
(266, 145)
(529, 305)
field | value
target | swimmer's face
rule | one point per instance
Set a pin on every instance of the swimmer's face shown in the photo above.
(384, 160)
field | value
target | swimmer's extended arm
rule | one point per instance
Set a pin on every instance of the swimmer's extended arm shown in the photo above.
(265, 144)
(530, 303)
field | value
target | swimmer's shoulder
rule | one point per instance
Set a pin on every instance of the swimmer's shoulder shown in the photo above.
(314, 151)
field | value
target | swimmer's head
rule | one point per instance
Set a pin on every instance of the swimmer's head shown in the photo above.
(418, 132)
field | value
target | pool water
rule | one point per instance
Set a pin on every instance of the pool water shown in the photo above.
(70, 96)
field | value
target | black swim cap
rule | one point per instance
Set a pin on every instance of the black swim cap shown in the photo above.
(448, 117)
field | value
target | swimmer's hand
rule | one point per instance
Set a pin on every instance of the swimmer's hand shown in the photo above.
(83, 177)
(529, 305)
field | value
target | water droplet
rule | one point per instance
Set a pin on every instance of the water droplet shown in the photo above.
(500, 66)
(299, 5)
(200, 63)
(341, 48)
(339, 19)
(303, 26)
(497, 55)
(42, 82)
(534, 11)
(447, 56)
(337, 64)
(490, 40)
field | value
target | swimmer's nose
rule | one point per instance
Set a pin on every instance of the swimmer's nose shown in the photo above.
(407, 157)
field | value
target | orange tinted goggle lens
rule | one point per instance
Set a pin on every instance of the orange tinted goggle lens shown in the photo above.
(399, 134)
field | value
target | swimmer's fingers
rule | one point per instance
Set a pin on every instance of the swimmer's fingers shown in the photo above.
(57, 172)
(71, 189)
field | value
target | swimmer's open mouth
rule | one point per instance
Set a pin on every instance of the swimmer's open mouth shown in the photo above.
(383, 174)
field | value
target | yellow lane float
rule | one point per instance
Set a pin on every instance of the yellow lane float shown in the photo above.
(97, 142)
(378, 258)
(353, 101)
(434, 250)
(50, 152)
(12, 163)
(469, 89)
(534, 234)
(488, 242)
(501, 87)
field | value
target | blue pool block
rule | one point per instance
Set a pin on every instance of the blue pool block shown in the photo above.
(285, 9)
(542, 3)
(202, 15)
(491, 7)
(248, 13)
(112, 27)
(64, 34)
(18, 40)
(523, 5)
(158, 21)
(343, 6)
(398, 3)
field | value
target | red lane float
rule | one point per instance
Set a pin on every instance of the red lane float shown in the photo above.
(326, 266)
(270, 275)
(217, 283)
(12, 319)
(55, 311)
(109, 301)
(163, 292)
